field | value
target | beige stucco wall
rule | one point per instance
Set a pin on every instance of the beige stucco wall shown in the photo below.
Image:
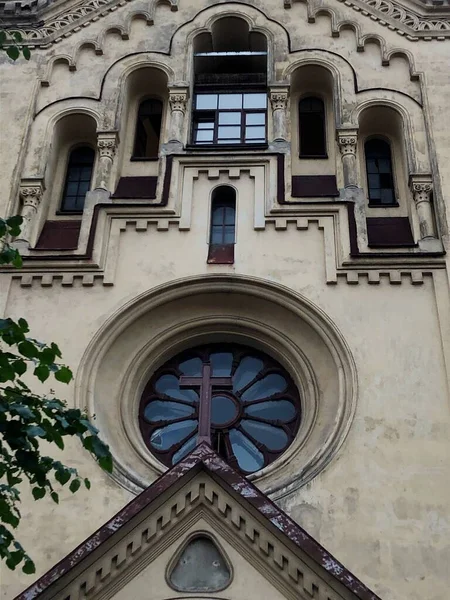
(381, 502)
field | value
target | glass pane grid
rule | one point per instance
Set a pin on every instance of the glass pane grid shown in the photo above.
(231, 111)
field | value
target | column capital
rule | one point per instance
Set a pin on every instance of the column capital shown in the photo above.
(178, 98)
(107, 142)
(421, 185)
(31, 191)
(279, 97)
(347, 140)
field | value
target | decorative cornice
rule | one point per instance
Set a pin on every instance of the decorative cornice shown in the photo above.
(432, 23)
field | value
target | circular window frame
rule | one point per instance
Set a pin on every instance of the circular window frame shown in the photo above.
(239, 351)
(201, 332)
(147, 331)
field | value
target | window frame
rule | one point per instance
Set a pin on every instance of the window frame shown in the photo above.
(221, 253)
(213, 114)
(134, 157)
(61, 210)
(324, 116)
(390, 145)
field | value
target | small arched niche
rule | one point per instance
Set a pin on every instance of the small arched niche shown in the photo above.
(312, 121)
(72, 134)
(381, 133)
(143, 121)
(230, 85)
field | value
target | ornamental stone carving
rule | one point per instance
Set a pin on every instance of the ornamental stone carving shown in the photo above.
(178, 100)
(107, 142)
(422, 188)
(30, 193)
(279, 98)
(279, 101)
(347, 140)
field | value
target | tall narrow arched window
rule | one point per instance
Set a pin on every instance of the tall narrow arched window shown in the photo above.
(380, 179)
(148, 129)
(78, 179)
(311, 120)
(223, 226)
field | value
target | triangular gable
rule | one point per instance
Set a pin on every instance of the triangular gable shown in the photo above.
(202, 486)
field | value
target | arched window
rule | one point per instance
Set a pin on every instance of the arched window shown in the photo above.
(379, 172)
(311, 120)
(223, 225)
(148, 129)
(230, 85)
(78, 179)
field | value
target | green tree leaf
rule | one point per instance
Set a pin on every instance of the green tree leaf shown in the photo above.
(64, 374)
(28, 349)
(38, 492)
(75, 486)
(42, 372)
(13, 52)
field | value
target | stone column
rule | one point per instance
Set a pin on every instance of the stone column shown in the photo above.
(279, 101)
(422, 187)
(107, 142)
(178, 98)
(347, 140)
(30, 192)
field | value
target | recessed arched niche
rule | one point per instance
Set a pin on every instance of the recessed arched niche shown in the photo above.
(220, 309)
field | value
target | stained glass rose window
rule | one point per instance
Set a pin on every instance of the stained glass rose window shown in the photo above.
(239, 400)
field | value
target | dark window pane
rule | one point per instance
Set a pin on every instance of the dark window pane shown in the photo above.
(255, 100)
(249, 458)
(223, 410)
(223, 216)
(164, 438)
(311, 115)
(78, 178)
(255, 119)
(274, 438)
(229, 118)
(148, 129)
(277, 410)
(379, 172)
(206, 102)
(230, 101)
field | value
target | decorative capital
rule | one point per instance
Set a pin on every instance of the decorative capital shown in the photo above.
(279, 98)
(421, 186)
(347, 140)
(178, 98)
(31, 191)
(107, 142)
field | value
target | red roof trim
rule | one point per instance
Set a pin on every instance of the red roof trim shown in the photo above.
(204, 456)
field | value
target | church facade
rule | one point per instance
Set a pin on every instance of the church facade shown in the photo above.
(236, 228)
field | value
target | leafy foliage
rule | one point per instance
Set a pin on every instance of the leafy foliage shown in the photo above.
(11, 43)
(26, 419)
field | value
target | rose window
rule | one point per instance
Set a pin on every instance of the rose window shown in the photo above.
(240, 401)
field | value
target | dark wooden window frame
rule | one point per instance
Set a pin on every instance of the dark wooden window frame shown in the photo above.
(207, 386)
(393, 187)
(136, 156)
(222, 253)
(323, 114)
(73, 164)
(212, 116)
